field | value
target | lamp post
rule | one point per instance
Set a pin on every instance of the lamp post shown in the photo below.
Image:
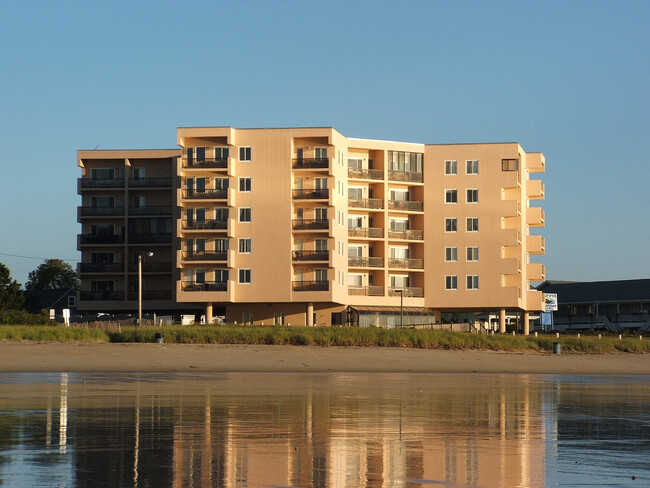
(140, 286)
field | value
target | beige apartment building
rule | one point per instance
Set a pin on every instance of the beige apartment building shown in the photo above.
(305, 226)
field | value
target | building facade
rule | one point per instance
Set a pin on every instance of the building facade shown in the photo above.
(304, 226)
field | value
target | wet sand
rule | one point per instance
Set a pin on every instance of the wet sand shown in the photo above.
(58, 357)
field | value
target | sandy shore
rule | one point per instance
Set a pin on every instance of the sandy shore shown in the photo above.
(55, 357)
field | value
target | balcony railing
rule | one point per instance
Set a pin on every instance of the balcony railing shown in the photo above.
(205, 194)
(364, 262)
(408, 176)
(101, 268)
(311, 163)
(204, 286)
(365, 203)
(374, 232)
(89, 183)
(205, 224)
(411, 235)
(150, 238)
(205, 255)
(102, 239)
(148, 267)
(311, 255)
(208, 163)
(405, 205)
(366, 174)
(101, 295)
(310, 224)
(137, 211)
(101, 211)
(310, 285)
(405, 263)
(408, 291)
(369, 291)
(311, 194)
(150, 182)
(151, 295)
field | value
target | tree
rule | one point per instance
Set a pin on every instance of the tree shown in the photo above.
(12, 296)
(51, 275)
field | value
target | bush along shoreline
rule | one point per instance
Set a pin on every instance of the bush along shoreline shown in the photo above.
(326, 337)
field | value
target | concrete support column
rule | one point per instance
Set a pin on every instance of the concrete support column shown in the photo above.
(208, 313)
(526, 324)
(502, 321)
(310, 315)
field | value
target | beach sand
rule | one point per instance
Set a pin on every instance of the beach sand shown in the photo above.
(85, 357)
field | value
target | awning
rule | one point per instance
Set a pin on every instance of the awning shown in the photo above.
(418, 310)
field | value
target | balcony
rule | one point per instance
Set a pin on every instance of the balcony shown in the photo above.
(405, 263)
(150, 183)
(146, 211)
(365, 174)
(150, 238)
(365, 262)
(311, 163)
(311, 194)
(310, 224)
(368, 291)
(365, 203)
(101, 211)
(535, 245)
(535, 162)
(535, 189)
(535, 272)
(311, 255)
(205, 194)
(371, 232)
(410, 206)
(408, 291)
(310, 285)
(205, 256)
(101, 295)
(205, 225)
(207, 163)
(99, 184)
(204, 286)
(101, 239)
(410, 235)
(149, 267)
(535, 217)
(407, 176)
(151, 295)
(101, 268)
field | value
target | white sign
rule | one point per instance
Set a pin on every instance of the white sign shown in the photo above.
(66, 316)
(550, 302)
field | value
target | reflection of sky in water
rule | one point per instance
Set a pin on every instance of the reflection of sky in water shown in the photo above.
(323, 430)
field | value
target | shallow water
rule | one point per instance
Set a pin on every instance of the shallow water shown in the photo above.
(323, 430)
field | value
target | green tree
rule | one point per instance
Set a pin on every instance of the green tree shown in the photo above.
(12, 296)
(51, 275)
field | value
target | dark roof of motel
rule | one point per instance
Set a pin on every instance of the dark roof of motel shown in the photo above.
(569, 292)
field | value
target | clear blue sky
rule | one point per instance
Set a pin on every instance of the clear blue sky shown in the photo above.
(568, 78)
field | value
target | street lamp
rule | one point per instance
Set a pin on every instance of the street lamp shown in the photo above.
(149, 254)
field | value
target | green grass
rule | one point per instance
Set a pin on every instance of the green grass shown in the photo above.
(327, 336)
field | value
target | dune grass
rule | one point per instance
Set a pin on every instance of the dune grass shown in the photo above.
(326, 337)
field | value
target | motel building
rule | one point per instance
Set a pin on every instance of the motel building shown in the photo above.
(305, 226)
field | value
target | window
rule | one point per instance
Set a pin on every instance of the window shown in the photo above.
(72, 301)
(244, 184)
(138, 173)
(245, 214)
(278, 318)
(451, 167)
(139, 201)
(221, 245)
(245, 245)
(244, 276)
(472, 253)
(509, 165)
(451, 196)
(200, 154)
(355, 192)
(102, 202)
(320, 153)
(472, 224)
(221, 153)
(320, 213)
(355, 251)
(355, 280)
(102, 174)
(320, 274)
(320, 244)
(471, 167)
(221, 275)
(355, 163)
(451, 282)
(472, 282)
(245, 153)
(221, 184)
(472, 195)
(451, 225)
(451, 254)
(320, 183)
(399, 281)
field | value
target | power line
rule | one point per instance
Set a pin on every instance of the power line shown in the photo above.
(33, 257)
